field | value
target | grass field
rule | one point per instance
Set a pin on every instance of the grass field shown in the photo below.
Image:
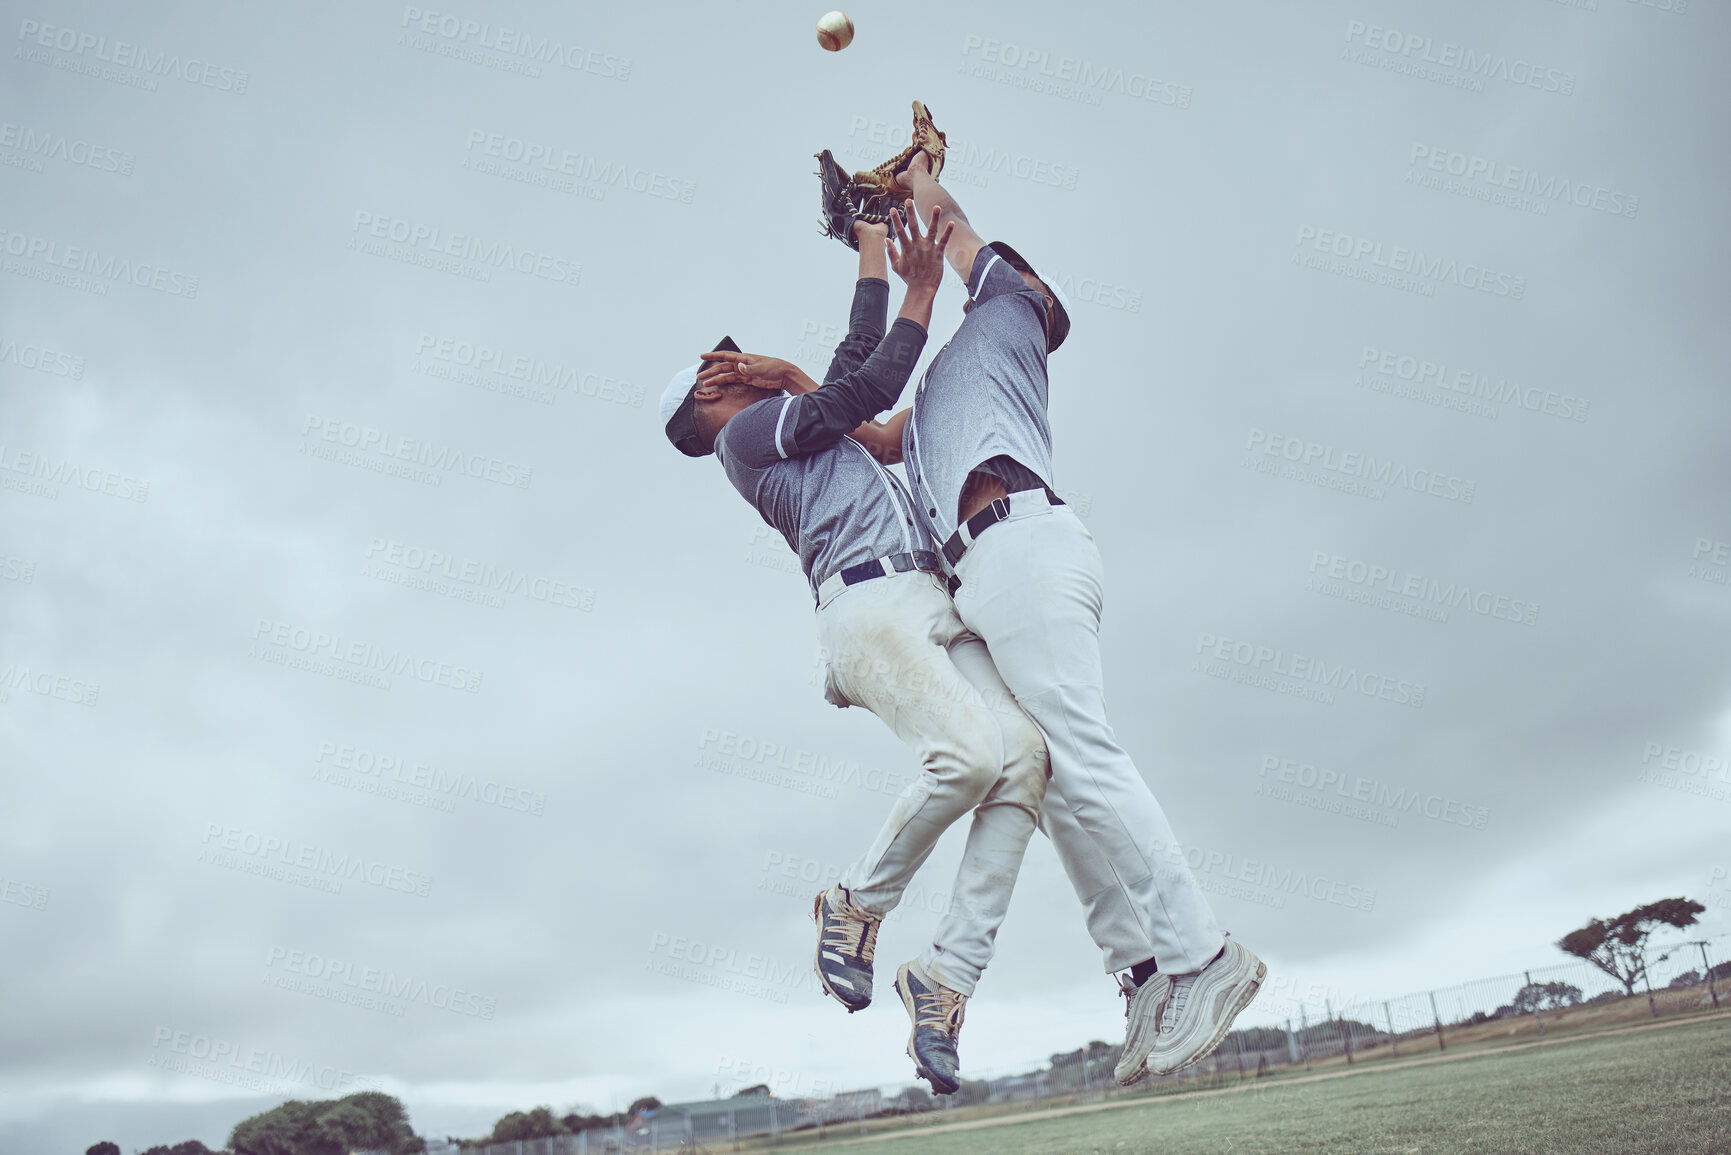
(1660, 1090)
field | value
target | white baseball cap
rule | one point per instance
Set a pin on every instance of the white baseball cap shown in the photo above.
(678, 406)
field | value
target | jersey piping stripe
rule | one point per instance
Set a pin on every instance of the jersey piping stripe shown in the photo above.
(897, 500)
(780, 420)
(984, 273)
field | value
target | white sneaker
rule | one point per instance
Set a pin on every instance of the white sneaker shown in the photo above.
(1142, 1006)
(1202, 1007)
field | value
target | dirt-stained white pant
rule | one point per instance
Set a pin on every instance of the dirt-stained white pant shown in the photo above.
(895, 646)
(1032, 589)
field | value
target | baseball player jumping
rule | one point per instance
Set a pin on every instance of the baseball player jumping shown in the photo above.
(888, 631)
(978, 452)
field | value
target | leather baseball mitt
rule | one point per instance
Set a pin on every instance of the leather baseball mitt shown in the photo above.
(870, 196)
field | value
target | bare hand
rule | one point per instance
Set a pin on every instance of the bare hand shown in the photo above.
(746, 369)
(870, 233)
(918, 260)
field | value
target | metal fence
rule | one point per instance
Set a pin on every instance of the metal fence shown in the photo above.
(1689, 978)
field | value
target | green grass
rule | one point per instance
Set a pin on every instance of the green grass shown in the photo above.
(1657, 1092)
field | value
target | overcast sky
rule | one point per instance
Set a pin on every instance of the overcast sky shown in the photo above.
(356, 618)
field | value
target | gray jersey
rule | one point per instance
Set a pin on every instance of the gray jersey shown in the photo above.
(984, 395)
(789, 455)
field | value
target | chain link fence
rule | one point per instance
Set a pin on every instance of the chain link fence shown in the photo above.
(1309, 1029)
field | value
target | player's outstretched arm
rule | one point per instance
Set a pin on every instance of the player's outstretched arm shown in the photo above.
(963, 243)
(883, 439)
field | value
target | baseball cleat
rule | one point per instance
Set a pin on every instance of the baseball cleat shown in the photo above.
(1142, 1007)
(927, 137)
(936, 1012)
(846, 938)
(1202, 1007)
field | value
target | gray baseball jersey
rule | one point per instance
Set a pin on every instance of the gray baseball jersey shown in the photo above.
(790, 456)
(983, 395)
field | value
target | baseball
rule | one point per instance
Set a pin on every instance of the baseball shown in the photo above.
(834, 31)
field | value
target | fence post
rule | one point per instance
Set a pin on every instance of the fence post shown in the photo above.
(1537, 1016)
(1393, 1040)
(1707, 969)
(1440, 1045)
(1304, 1025)
(774, 1123)
(1291, 1044)
(732, 1131)
(1238, 1041)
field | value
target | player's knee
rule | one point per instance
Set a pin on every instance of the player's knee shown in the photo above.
(979, 759)
(1026, 765)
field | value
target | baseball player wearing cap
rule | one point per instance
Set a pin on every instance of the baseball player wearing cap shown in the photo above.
(978, 452)
(890, 637)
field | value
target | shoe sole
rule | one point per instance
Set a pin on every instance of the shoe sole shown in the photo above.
(920, 1069)
(817, 962)
(1247, 992)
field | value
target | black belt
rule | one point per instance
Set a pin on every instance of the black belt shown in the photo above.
(997, 511)
(923, 560)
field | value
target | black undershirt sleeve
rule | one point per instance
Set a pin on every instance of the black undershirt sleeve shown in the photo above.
(832, 412)
(865, 327)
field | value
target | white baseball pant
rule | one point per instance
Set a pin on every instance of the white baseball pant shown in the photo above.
(1032, 588)
(893, 645)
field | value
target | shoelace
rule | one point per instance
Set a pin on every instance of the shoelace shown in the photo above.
(1180, 995)
(853, 933)
(940, 1008)
(1128, 989)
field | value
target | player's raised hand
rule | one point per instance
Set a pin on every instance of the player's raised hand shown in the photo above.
(918, 259)
(751, 369)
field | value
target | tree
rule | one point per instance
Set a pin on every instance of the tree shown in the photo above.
(368, 1120)
(645, 1104)
(1618, 946)
(756, 1089)
(1688, 978)
(536, 1124)
(1545, 997)
(106, 1147)
(190, 1147)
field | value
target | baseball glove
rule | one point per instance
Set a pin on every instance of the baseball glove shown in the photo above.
(870, 196)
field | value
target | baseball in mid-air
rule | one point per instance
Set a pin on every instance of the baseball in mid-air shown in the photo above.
(834, 31)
